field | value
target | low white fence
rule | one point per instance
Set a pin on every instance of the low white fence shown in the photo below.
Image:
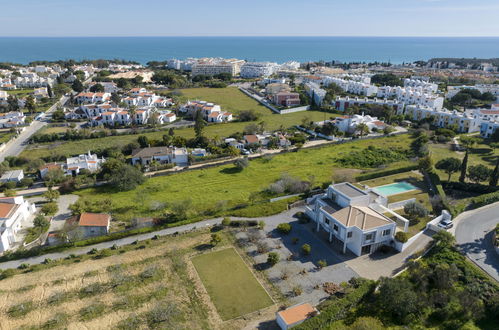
(401, 204)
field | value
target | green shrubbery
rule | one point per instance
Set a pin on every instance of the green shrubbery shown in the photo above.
(284, 228)
(401, 237)
(372, 157)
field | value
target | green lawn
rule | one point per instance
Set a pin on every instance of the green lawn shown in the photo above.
(208, 186)
(233, 289)
(481, 153)
(21, 92)
(231, 99)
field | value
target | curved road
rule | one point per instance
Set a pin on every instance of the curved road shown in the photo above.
(17, 145)
(474, 237)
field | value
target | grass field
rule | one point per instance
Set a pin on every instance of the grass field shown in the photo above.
(21, 92)
(231, 99)
(206, 187)
(233, 289)
(123, 288)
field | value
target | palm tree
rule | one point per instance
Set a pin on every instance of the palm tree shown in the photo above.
(362, 129)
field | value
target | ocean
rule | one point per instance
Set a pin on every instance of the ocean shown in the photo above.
(276, 49)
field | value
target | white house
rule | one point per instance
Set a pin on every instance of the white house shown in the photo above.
(12, 119)
(162, 155)
(346, 213)
(348, 124)
(12, 176)
(85, 161)
(257, 69)
(13, 211)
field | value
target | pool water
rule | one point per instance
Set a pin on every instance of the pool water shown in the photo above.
(394, 188)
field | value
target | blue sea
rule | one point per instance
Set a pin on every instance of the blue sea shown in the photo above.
(277, 49)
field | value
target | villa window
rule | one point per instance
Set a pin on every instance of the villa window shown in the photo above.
(327, 221)
(369, 237)
(349, 235)
(335, 227)
(386, 232)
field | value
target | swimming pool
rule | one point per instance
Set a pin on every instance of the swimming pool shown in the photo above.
(394, 188)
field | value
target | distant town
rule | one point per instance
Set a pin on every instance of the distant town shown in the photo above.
(318, 193)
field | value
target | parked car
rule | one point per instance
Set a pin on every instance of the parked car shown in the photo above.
(446, 224)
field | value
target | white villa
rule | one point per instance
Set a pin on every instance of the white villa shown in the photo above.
(211, 112)
(162, 155)
(85, 161)
(12, 119)
(348, 215)
(13, 211)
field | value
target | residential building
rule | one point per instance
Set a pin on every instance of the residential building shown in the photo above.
(211, 112)
(88, 97)
(274, 88)
(412, 95)
(4, 96)
(13, 211)
(295, 315)
(348, 215)
(343, 103)
(425, 85)
(286, 99)
(92, 224)
(12, 176)
(488, 128)
(40, 93)
(45, 169)
(257, 69)
(87, 161)
(12, 119)
(162, 155)
(352, 86)
(109, 86)
(482, 88)
(214, 66)
(348, 124)
(315, 92)
(464, 122)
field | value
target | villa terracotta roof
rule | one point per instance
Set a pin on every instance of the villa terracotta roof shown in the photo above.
(297, 313)
(214, 114)
(361, 217)
(251, 138)
(6, 209)
(94, 219)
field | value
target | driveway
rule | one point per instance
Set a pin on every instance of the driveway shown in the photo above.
(473, 232)
(63, 213)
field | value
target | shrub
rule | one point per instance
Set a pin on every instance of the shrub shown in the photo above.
(297, 290)
(306, 249)
(261, 225)
(401, 237)
(262, 247)
(92, 311)
(289, 184)
(241, 163)
(273, 258)
(21, 309)
(226, 222)
(372, 157)
(415, 210)
(50, 208)
(23, 266)
(57, 321)
(284, 228)
(163, 313)
(295, 240)
(322, 263)
(7, 273)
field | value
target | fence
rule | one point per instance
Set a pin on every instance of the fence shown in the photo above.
(401, 204)
(266, 104)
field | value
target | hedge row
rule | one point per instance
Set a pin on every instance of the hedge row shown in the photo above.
(471, 187)
(483, 200)
(374, 175)
(338, 309)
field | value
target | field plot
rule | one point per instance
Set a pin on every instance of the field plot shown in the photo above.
(205, 188)
(144, 285)
(233, 289)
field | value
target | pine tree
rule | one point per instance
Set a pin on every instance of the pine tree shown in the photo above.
(49, 91)
(199, 125)
(495, 175)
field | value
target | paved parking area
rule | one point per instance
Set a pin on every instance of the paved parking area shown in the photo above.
(294, 268)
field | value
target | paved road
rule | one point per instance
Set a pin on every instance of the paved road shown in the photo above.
(105, 245)
(474, 237)
(16, 146)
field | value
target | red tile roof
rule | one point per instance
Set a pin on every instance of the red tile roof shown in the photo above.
(94, 219)
(297, 313)
(6, 209)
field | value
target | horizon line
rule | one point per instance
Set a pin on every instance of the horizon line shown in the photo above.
(250, 36)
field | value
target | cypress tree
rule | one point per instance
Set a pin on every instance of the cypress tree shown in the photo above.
(464, 167)
(495, 175)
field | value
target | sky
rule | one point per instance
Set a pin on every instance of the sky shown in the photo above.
(249, 18)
